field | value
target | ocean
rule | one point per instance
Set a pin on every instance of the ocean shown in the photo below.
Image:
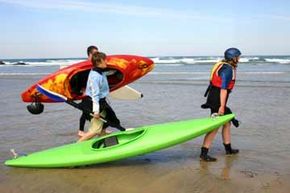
(172, 91)
(255, 68)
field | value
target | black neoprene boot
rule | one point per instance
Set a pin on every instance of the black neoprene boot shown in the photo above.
(229, 150)
(204, 157)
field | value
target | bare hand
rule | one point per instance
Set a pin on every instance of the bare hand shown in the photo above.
(96, 115)
(221, 110)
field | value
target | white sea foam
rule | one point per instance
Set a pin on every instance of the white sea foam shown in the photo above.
(22, 73)
(41, 62)
(54, 63)
(184, 60)
(278, 60)
(212, 59)
(163, 60)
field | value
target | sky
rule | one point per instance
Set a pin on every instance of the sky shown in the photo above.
(65, 28)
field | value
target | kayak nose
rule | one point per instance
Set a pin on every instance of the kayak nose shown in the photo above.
(142, 66)
(130, 67)
(146, 64)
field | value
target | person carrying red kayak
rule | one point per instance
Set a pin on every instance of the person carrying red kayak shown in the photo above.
(90, 51)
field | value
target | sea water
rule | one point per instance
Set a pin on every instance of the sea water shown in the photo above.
(253, 68)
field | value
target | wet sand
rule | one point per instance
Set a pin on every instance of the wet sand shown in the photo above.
(263, 140)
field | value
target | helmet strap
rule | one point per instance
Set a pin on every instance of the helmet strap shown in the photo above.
(233, 62)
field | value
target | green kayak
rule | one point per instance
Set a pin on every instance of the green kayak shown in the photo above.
(120, 145)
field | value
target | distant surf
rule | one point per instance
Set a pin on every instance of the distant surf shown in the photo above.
(159, 60)
(41, 62)
(167, 68)
(185, 60)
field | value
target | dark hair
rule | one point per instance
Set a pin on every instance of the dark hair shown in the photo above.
(97, 58)
(90, 49)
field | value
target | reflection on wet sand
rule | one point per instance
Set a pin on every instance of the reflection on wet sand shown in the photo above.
(226, 167)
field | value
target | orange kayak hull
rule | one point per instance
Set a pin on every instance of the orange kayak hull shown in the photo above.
(71, 80)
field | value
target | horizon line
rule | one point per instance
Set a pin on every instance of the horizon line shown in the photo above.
(248, 55)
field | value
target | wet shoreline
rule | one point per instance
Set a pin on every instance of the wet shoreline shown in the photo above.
(263, 139)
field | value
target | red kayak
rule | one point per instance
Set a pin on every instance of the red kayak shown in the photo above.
(71, 80)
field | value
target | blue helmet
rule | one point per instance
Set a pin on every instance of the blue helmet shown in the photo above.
(232, 53)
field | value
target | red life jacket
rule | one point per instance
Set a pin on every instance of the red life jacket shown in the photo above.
(216, 80)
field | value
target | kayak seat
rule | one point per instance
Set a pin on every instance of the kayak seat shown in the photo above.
(110, 141)
(117, 140)
(78, 82)
(114, 77)
(107, 142)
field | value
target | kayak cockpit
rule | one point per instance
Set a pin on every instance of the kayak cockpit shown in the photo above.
(78, 81)
(117, 140)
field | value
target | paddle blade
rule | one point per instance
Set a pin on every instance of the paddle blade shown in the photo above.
(50, 94)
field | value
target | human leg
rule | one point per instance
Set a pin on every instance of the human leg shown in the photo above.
(206, 145)
(95, 129)
(82, 125)
(226, 133)
(85, 105)
(209, 137)
(111, 117)
(88, 135)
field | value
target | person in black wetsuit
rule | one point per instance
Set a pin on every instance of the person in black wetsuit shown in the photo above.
(84, 117)
(222, 81)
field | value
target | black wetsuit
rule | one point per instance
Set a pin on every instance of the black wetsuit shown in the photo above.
(213, 99)
(110, 117)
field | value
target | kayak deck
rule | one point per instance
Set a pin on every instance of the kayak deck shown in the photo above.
(121, 145)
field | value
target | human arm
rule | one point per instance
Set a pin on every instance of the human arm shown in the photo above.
(223, 101)
(226, 76)
(94, 84)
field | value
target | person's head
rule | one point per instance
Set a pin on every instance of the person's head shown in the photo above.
(98, 60)
(232, 55)
(91, 50)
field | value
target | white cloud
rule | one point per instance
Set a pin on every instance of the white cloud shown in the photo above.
(121, 9)
(125, 9)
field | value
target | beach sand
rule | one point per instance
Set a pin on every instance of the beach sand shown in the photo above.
(263, 139)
